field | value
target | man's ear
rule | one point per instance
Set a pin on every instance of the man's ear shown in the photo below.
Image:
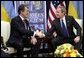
(21, 12)
(63, 12)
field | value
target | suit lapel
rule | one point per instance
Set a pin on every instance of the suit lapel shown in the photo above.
(27, 23)
(21, 22)
(59, 24)
(67, 22)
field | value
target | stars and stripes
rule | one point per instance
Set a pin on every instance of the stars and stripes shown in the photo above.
(52, 10)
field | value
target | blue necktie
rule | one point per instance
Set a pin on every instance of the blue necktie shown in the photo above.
(64, 30)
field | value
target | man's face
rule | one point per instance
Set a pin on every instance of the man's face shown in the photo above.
(59, 13)
(25, 13)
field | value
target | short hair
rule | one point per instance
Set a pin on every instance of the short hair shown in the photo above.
(21, 8)
(63, 9)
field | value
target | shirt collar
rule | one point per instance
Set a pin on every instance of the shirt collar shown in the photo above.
(63, 18)
(21, 17)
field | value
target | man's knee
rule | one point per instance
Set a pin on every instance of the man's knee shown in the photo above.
(18, 46)
(54, 40)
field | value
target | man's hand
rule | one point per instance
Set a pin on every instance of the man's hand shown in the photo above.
(40, 34)
(76, 40)
(54, 34)
(33, 40)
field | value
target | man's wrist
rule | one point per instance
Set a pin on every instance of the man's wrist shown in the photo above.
(34, 34)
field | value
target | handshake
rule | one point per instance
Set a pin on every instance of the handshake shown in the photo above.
(39, 34)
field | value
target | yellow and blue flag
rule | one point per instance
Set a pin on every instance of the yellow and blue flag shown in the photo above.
(75, 9)
(7, 10)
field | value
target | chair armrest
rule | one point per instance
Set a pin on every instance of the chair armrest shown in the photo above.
(2, 43)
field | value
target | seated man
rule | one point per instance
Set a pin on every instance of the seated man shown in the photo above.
(21, 33)
(63, 26)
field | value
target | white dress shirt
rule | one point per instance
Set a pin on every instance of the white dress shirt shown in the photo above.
(64, 20)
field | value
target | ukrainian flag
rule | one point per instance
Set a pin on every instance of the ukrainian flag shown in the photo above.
(7, 11)
(75, 9)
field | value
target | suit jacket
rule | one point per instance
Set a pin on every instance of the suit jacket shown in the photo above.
(70, 22)
(18, 31)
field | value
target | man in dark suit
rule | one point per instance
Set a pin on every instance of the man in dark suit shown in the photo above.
(21, 33)
(63, 26)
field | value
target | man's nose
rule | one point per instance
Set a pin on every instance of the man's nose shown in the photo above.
(57, 14)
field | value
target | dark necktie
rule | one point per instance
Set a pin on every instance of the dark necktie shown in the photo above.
(25, 24)
(64, 30)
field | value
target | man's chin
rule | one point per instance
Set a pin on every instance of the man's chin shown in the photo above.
(57, 17)
(26, 17)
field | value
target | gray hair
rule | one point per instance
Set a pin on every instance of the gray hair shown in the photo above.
(63, 9)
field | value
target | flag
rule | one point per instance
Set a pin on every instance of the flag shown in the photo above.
(7, 10)
(52, 5)
(75, 9)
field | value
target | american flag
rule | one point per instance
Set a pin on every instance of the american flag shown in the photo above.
(52, 10)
